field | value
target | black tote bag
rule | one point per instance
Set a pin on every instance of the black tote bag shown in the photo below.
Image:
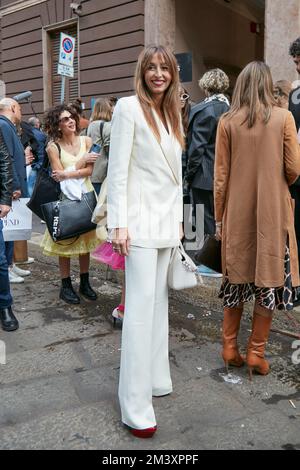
(45, 189)
(210, 254)
(67, 219)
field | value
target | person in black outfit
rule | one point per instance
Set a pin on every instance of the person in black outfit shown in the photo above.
(294, 101)
(201, 139)
(10, 118)
(185, 102)
(7, 319)
(294, 107)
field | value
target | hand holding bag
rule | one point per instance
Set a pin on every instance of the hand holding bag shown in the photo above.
(182, 270)
(67, 219)
(210, 254)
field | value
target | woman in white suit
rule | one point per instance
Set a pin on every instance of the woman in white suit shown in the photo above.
(145, 211)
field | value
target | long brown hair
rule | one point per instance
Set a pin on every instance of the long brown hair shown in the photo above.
(254, 92)
(171, 101)
(102, 110)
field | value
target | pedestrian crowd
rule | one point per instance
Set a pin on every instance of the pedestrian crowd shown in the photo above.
(123, 178)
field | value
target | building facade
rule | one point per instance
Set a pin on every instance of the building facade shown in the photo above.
(111, 33)
(109, 36)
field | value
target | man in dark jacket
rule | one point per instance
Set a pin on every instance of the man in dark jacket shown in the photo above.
(10, 117)
(201, 141)
(7, 319)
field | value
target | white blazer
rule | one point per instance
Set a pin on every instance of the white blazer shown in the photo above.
(144, 178)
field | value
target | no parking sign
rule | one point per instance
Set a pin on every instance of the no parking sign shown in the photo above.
(67, 50)
(66, 60)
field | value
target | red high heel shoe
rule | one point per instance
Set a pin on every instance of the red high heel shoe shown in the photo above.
(118, 315)
(142, 433)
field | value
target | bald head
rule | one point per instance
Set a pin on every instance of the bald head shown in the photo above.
(10, 109)
(7, 103)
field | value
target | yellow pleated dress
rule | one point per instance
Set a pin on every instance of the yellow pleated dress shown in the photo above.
(86, 242)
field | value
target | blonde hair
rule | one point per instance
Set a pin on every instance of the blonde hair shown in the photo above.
(214, 81)
(254, 91)
(284, 87)
(282, 90)
(102, 110)
(171, 101)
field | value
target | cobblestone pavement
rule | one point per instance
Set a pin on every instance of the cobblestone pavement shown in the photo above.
(59, 386)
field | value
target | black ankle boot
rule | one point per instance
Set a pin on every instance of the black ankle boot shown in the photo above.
(8, 320)
(67, 292)
(85, 287)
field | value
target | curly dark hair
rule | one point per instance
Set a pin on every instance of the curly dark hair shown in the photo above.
(51, 121)
(76, 105)
(295, 48)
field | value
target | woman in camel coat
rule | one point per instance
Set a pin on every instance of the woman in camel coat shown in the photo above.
(257, 158)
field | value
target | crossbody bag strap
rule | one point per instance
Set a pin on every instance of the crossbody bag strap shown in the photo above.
(59, 149)
(101, 131)
(46, 161)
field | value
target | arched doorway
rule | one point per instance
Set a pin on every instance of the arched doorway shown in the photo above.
(219, 33)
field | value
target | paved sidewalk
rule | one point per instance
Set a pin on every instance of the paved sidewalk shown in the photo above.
(59, 387)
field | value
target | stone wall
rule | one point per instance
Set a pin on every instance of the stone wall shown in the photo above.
(282, 28)
(160, 22)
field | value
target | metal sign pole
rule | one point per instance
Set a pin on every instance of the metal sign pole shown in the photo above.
(66, 61)
(63, 89)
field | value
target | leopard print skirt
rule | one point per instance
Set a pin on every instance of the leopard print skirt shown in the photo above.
(281, 298)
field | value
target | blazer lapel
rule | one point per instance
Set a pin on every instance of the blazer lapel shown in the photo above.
(168, 145)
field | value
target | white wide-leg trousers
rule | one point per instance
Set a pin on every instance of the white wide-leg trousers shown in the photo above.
(145, 370)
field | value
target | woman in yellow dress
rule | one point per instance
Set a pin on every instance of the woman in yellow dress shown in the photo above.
(69, 159)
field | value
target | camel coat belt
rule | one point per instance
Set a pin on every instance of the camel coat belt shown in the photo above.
(253, 171)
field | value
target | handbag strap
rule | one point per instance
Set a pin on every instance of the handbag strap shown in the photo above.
(46, 161)
(84, 197)
(101, 130)
(175, 250)
(68, 244)
(59, 149)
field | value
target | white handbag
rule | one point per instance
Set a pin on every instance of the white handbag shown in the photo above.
(182, 270)
(99, 216)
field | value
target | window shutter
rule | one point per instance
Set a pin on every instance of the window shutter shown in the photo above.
(72, 89)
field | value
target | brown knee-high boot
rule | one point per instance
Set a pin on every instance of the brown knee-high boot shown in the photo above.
(231, 326)
(256, 347)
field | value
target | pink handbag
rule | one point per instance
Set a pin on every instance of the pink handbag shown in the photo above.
(105, 254)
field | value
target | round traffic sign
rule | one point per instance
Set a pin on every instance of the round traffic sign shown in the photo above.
(67, 45)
